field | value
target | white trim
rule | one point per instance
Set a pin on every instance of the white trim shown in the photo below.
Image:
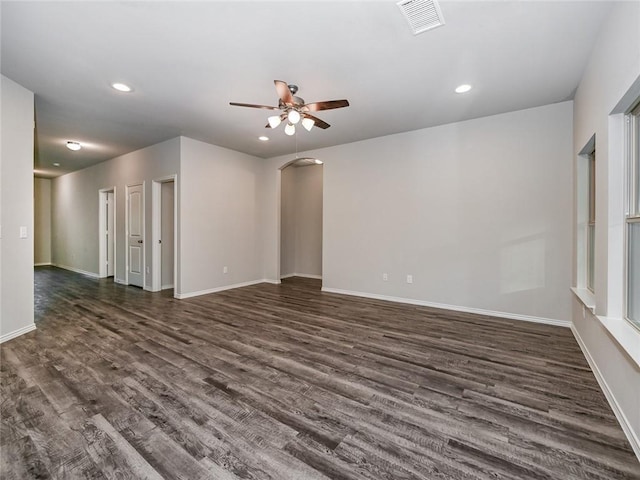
(271, 281)
(16, 333)
(166, 287)
(76, 270)
(46, 264)
(303, 275)
(613, 403)
(103, 197)
(119, 280)
(586, 296)
(182, 296)
(478, 311)
(156, 234)
(627, 336)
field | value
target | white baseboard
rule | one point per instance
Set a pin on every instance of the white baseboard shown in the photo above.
(16, 333)
(45, 264)
(613, 403)
(76, 270)
(182, 296)
(166, 287)
(273, 282)
(478, 311)
(303, 275)
(118, 280)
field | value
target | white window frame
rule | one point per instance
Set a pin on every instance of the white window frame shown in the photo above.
(632, 210)
(584, 289)
(591, 222)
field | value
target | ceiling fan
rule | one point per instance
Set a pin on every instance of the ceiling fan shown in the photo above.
(294, 109)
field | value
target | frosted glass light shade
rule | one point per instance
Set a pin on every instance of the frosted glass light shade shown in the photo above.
(294, 116)
(308, 124)
(290, 129)
(274, 121)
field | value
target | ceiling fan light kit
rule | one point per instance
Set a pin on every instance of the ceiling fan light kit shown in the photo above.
(274, 121)
(290, 129)
(294, 109)
(293, 116)
(308, 124)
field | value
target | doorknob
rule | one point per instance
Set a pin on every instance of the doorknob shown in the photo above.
(139, 241)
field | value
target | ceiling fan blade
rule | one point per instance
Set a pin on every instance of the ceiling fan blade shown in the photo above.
(251, 105)
(283, 92)
(328, 105)
(317, 122)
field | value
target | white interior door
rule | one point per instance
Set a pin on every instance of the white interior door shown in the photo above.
(135, 235)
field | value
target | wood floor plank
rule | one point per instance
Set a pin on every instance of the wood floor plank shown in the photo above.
(116, 457)
(277, 382)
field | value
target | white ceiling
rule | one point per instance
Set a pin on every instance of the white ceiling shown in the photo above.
(188, 60)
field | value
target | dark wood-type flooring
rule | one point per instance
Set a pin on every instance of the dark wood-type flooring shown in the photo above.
(285, 382)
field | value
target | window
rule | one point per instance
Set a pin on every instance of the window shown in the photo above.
(591, 222)
(633, 219)
(586, 223)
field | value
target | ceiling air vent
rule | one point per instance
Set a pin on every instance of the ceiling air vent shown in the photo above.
(422, 15)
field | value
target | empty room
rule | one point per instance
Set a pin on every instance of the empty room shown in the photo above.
(320, 240)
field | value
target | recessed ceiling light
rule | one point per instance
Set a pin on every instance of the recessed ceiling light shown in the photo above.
(463, 88)
(56, 164)
(263, 138)
(121, 87)
(73, 146)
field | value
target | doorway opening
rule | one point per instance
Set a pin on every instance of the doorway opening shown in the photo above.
(301, 186)
(164, 228)
(107, 232)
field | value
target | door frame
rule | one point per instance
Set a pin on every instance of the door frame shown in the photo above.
(279, 217)
(126, 233)
(156, 232)
(102, 217)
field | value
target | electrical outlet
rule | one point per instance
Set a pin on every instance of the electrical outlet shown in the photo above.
(409, 278)
(385, 276)
(225, 269)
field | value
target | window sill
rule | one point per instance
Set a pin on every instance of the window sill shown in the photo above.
(627, 336)
(587, 297)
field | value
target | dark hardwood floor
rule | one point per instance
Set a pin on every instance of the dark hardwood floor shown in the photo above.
(285, 382)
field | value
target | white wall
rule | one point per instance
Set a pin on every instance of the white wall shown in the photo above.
(613, 68)
(42, 221)
(75, 206)
(16, 210)
(301, 221)
(219, 218)
(479, 213)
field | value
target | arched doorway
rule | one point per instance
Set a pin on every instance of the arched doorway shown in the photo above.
(301, 187)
